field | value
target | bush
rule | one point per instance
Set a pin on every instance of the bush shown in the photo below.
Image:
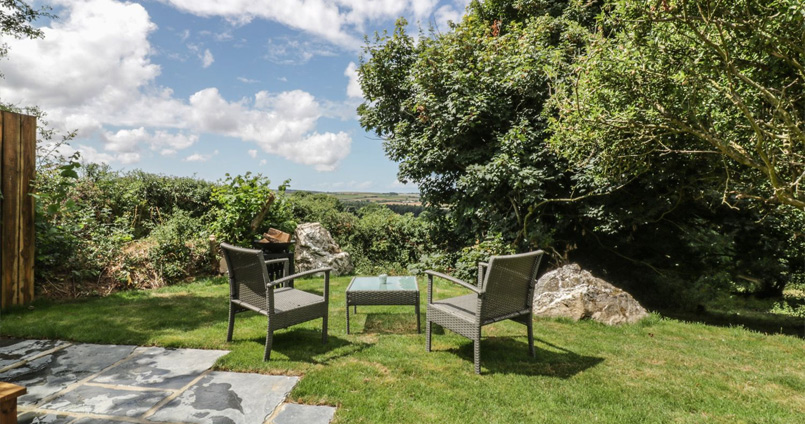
(237, 201)
(383, 241)
(467, 262)
(180, 248)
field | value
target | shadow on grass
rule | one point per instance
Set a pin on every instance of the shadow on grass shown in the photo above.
(116, 319)
(504, 355)
(767, 323)
(304, 345)
(390, 323)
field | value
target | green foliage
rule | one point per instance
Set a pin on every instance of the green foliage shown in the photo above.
(181, 247)
(693, 77)
(383, 241)
(467, 263)
(377, 239)
(462, 113)
(238, 200)
(326, 210)
(147, 199)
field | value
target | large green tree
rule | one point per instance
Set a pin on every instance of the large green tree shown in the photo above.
(468, 113)
(722, 79)
(462, 113)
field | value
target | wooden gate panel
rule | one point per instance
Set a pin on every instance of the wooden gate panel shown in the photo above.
(18, 158)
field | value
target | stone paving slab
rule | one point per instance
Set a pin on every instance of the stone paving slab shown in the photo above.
(52, 373)
(228, 397)
(159, 368)
(13, 350)
(38, 418)
(292, 413)
(106, 401)
(94, 384)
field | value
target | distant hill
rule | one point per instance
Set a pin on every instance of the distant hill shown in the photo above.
(391, 198)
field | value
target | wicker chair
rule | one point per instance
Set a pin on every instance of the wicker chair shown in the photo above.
(505, 291)
(250, 289)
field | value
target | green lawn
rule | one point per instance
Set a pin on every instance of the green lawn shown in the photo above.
(660, 370)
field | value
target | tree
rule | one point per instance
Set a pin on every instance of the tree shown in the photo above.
(710, 78)
(462, 113)
(469, 112)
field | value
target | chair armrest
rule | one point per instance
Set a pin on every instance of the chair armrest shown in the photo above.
(276, 261)
(326, 272)
(452, 280)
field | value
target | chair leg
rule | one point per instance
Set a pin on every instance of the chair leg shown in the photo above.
(231, 328)
(530, 326)
(324, 330)
(269, 342)
(428, 332)
(476, 344)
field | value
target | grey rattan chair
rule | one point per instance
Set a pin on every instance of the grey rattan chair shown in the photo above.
(504, 291)
(250, 289)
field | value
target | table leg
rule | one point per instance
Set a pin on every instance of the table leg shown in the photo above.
(417, 313)
(347, 316)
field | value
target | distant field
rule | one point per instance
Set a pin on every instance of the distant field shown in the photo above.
(383, 198)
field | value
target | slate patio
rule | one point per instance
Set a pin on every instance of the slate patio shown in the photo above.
(91, 384)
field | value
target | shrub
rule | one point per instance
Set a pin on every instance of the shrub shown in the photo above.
(180, 248)
(467, 262)
(237, 201)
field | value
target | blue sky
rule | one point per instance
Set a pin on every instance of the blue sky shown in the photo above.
(209, 87)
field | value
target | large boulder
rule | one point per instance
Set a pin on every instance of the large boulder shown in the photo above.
(315, 248)
(573, 293)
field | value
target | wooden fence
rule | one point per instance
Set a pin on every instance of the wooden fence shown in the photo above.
(17, 165)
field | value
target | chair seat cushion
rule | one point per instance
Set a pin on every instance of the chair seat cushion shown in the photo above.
(463, 307)
(287, 298)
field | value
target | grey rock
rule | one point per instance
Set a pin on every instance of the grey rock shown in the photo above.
(315, 248)
(571, 292)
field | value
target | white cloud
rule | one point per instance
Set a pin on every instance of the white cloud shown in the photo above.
(253, 153)
(263, 162)
(131, 141)
(207, 59)
(286, 51)
(198, 157)
(93, 70)
(445, 14)
(248, 80)
(340, 22)
(353, 86)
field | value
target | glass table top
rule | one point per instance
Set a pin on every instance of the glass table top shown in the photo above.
(392, 284)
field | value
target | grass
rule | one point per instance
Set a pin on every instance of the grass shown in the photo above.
(658, 371)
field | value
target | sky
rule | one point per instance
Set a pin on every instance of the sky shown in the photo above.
(209, 87)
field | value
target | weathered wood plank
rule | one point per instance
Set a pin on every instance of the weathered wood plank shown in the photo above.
(8, 402)
(2, 227)
(11, 209)
(27, 229)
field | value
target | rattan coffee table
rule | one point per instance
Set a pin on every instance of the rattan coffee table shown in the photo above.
(371, 291)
